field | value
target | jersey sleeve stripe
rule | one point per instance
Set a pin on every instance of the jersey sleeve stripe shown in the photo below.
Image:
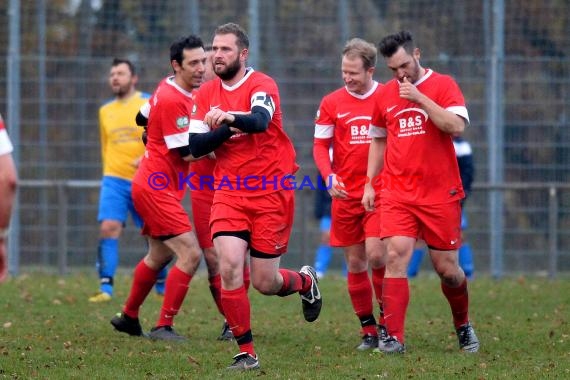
(198, 126)
(375, 131)
(324, 131)
(176, 140)
(460, 111)
(5, 143)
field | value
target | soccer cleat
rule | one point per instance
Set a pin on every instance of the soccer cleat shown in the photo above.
(391, 345)
(226, 332)
(468, 341)
(100, 297)
(123, 323)
(311, 300)
(382, 333)
(164, 333)
(369, 342)
(244, 361)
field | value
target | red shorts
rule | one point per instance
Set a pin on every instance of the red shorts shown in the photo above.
(438, 225)
(201, 201)
(351, 223)
(162, 214)
(268, 218)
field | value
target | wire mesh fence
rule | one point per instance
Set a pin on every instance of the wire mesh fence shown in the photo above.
(66, 46)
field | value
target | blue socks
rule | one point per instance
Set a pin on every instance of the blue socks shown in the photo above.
(323, 259)
(107, 262)
(415, 262)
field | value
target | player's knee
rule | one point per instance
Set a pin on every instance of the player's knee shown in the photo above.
(110, 229)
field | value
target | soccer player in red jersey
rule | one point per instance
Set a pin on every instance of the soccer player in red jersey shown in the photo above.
(412, 126)
(202, 196)
(8, 185)
(342, 122)
(238, 115)
(157, 194)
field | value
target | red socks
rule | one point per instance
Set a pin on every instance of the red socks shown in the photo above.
(458, 299)
(143, 281)
(215, 289)
(177, 284)
(292, 283)
(395, 297)
(377, 284)
(238, 314)
(360, 292)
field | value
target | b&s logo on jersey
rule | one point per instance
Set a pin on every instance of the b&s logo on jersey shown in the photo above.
(194, 109)
(182, 122)
(413, 123)
(359, 127)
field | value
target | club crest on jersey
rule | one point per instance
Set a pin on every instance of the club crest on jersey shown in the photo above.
(182, 122)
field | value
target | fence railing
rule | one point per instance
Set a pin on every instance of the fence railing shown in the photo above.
(63, 187)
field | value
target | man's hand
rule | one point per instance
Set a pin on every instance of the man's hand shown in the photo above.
(368, 197)
(216, 117)
(409, 91)
(337, 188)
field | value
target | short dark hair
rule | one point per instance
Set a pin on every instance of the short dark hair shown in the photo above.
(236, 30)
(189, 42)
(390, 44)
(118, 61)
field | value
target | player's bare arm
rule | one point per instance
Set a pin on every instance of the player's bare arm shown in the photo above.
(445, 120)
(375, 165)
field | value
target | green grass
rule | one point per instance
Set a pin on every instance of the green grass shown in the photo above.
(49, 331)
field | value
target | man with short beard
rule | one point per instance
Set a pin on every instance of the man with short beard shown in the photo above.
(238, 116)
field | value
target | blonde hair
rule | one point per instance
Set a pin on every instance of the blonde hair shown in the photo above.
(359, 48)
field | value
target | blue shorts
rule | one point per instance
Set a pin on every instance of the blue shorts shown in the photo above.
(325, 224)
(115, 201)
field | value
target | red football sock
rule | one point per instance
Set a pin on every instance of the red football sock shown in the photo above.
(238, 314)
(395, 298)
(215, 289)
(293, 283)
(246, 277)
(143, 281)
(360, 292)
(177, 284)
(458, 299)
(377, 284)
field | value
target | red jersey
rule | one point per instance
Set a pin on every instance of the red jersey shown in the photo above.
(5, 143)
(248, 164)
(420, 166)
(202, 174)
(162, 166)
(345, 117)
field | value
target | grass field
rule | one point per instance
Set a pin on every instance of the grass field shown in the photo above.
(49, 331)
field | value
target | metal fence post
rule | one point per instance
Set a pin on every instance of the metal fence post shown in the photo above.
(552, 232)
(62, 228)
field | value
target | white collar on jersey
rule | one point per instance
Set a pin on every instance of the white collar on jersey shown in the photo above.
(364, 96)
(248, 72)
(170, 81)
